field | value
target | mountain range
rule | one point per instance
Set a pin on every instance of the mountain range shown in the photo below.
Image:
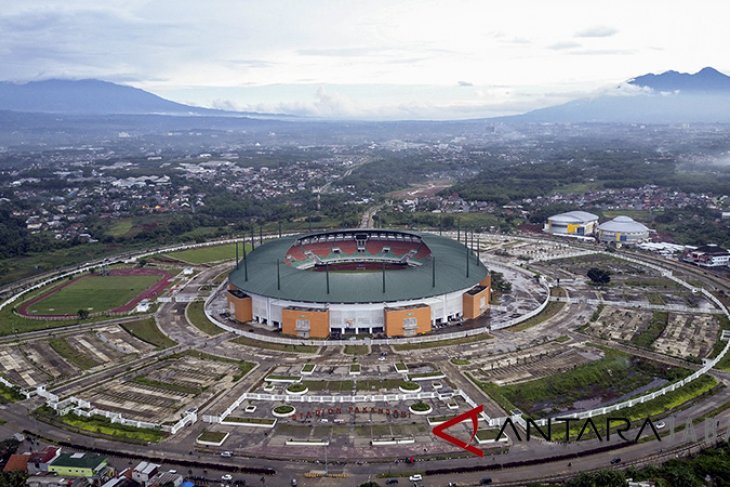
(669, 97)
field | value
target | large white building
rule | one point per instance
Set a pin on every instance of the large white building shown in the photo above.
(622, 230)
(572, 224)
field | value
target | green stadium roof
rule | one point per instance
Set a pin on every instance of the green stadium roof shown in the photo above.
(410, 283)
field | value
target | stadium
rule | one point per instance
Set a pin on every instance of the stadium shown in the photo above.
(358, 281)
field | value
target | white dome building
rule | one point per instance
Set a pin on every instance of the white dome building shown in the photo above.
(622, 230)
(572, 223)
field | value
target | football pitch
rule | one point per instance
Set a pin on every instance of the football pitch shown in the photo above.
(94, 294)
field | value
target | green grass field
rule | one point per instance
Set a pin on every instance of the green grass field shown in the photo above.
(147, 331)
(593, 379)
(356, 349)
(99, 425)
(550, 310)
(93, 293)
(65, 350)
(205, 255)
(9, 394)
(647, 337)
(197, 317)
(120, 228)
(655, 409)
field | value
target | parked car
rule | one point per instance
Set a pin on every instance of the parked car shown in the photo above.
(615, 461)
(416, 477)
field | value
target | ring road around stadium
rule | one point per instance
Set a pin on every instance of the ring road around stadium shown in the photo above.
(389, 282)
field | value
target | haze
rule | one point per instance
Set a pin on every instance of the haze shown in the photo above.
(375, 60)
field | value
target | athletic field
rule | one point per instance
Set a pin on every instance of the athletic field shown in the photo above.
(119, 291)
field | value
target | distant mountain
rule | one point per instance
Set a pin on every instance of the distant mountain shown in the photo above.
(89, 96)
(670, 97)
(706, 80)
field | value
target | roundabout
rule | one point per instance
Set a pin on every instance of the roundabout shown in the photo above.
(551, 344)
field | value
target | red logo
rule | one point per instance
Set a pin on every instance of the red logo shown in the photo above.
(472, 414)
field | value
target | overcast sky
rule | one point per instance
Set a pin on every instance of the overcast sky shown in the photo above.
(363, 59)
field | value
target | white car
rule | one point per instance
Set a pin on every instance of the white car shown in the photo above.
(659, 425)
(416, 477)
(227, 477)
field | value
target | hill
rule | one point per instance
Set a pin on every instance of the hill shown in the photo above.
(89, 96)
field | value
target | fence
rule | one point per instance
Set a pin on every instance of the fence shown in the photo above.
(83, 408)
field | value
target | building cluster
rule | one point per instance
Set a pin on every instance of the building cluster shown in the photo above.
(622, 230)
(648, 197)
(51, 467)
(67, 201)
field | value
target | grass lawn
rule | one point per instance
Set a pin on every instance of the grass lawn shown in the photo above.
(120, 228)
(197, 317)
(94, 293)
(100, 425)
(356, 349)
(587, 381)
(147, 331)
(205, 255)
(656, 408)
(77, 358)
(658, 323)
(443, 343)
(9, 394)
(276, 346)
(459, 361)
(550, 310)
(212, 436)
(236, 419)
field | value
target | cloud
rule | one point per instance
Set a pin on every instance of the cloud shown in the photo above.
(559, 46)
(342, 51)
(597, 31)
(465, 83)
(251, 63)
(222, 104)
(603, 52)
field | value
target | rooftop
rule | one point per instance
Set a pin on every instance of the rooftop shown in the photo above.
(409, 283)
(79, 460)
(574, 217)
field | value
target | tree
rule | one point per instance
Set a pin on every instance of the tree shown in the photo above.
(83, 314)
(599, 276)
